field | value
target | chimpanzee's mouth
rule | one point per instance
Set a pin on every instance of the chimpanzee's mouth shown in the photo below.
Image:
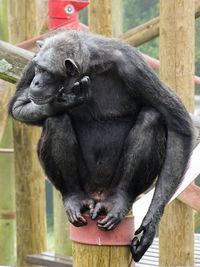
(41, 100)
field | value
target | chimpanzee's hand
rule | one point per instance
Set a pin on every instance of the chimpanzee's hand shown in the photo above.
(82, 88)
(76, 95)
(75, 205)
(139, 247)
(115, 207)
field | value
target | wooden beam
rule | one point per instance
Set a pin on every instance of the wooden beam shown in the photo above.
(149, 30)
(12, 61)
(62, 242)
(177, 70)
(5, 95)
(7, 177)
(142, 33)
(29, 178)
(117, 17)
(100, 17)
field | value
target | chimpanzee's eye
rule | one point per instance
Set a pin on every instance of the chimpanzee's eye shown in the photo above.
(39, 69)
(36, 70)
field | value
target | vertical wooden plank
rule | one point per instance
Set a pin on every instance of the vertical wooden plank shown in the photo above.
(117, 17)
(100, 21)
(30, 198)
(30, 186)
(17, 20)
(100, 17)
(3, 20)
(7, 181)
(88, 255)
(62, 243)
(177, 48)
(7, 200)
(5, 91)
(104, 256)
(42, 15)
(5, 95)
(176, 232)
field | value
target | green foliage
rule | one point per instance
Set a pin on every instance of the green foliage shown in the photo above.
(136, 12)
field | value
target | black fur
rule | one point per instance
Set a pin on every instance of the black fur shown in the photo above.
(104, 144)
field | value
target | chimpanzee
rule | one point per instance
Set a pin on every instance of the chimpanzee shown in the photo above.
(110, 127)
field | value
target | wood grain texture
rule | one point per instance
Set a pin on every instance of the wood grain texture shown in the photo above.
(12, 61)
(176, 230)
(30, 183)
(117, 17)
(5, 95)
(30, 194)
(7, 177)
(7, 199)
(143, 33)
(104, 256)
(100, 17)
(62, 242)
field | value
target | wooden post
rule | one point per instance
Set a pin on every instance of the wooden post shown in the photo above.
(176, 232)
(7, 200)
(100, 17)
(62, 242)
(12, 61)
(5, 95)
(30, 183)
(3, 20)
(117, 17)
(7, 181)
(100, 21)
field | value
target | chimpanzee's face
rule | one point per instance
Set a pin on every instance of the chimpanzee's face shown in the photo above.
(46, 84)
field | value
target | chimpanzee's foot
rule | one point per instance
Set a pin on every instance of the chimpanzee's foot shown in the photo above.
(75, 205)
(140, 246)
(116, 207)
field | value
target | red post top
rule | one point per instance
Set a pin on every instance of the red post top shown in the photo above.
(65, 12)
(122, 235)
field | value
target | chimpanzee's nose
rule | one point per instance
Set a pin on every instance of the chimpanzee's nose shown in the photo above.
(36, 89)
(37, 83)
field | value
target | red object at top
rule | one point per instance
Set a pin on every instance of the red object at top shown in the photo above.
(64, 14)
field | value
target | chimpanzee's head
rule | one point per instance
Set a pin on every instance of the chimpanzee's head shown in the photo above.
(53, 70)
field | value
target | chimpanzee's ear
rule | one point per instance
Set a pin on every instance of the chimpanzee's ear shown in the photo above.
(71, 67)
(39, 43)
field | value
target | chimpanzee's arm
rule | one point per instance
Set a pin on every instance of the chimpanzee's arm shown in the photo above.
(21, 107)
(25, 110)
(142, 83)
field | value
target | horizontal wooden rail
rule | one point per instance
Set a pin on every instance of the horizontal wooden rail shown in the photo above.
(12, 61)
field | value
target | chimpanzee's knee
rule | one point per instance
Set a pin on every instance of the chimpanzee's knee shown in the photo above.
(150, 117)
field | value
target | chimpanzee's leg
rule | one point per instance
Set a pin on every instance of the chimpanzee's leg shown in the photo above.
(60, 156)
(140, 163)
